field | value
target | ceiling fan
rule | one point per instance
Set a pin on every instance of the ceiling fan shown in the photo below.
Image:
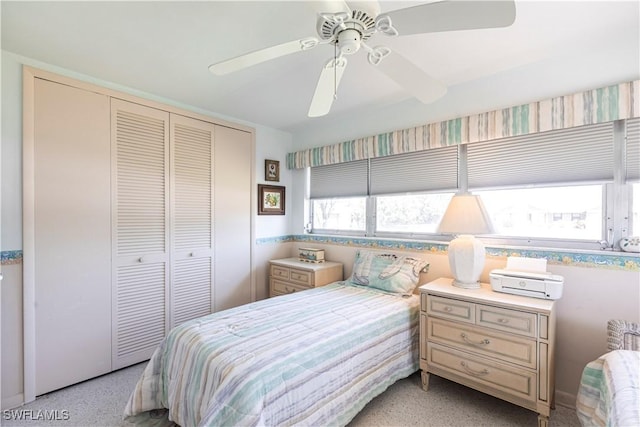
(349, 28)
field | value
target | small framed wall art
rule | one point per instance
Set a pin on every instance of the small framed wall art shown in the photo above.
(271, 170)
(271, 199)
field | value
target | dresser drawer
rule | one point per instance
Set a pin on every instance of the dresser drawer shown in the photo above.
(483, 341)
(507, 379)
(300, 277)
(279, 287)
(279, 272)
(514, 321)
(448, 308)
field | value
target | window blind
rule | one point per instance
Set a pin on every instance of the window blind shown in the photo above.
(633, 149)
(580, 154)
(339, 180)
(435, 169)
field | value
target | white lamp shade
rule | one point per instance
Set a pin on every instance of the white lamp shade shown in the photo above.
(466, 215)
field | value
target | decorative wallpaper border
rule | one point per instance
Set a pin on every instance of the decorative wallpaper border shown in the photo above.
(621, 101)
(10, 257)
(605, 260)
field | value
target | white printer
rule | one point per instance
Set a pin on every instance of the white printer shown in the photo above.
(524, 277)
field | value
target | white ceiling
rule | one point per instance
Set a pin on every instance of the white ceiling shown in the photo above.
(164, 48)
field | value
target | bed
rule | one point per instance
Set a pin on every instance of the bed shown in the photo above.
(609, 391)
(315, 357)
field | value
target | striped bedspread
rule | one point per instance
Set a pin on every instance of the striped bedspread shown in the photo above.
(609, 393)
(310, 358)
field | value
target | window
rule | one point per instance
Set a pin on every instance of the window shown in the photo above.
(418, 213)
(635, 210)
(561, 188)
(340, 214)
(571, 212)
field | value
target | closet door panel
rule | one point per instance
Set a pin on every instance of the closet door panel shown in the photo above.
(72, 228)
(232, 226)
(192, 218)
(191, 290)
(140, 162)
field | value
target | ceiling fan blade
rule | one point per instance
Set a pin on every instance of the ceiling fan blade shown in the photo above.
(411, 78)
(329, 6)
(453, 15)
(327, 87)
(371, 7)
(262, 55)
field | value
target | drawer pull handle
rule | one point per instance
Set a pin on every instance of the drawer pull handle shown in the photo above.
(448, 309)
(472, 371)
(503, 320)
(468, 341)
(289, 291)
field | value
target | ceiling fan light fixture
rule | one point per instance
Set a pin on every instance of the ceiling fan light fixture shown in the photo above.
(349, 41)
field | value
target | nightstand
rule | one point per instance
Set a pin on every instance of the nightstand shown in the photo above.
(497, 343)
(291, 275)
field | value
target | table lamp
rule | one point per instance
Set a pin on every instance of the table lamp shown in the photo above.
(464, 217)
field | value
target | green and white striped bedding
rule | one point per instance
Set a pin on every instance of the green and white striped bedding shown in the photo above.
(609, 393)
(309, 358)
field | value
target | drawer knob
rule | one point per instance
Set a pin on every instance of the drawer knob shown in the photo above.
(473, 371)
(503, 320)
(468, 341)
(448, 309)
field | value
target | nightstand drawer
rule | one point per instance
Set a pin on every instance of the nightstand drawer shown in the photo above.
(462, 311)
(279, 272)
(292, 274)
(278, 287)
(301, 277)
(485, 342)
(517, 322)
(513, 381)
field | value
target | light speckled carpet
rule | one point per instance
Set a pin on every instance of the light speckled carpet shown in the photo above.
(100, 402)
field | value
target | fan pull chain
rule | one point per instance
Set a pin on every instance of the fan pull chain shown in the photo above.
(335, 71)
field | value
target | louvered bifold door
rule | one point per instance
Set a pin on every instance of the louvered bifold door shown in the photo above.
(140, 164)
(191, 219)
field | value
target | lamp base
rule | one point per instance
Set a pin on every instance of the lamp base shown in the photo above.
(465, 285)
(466, 260)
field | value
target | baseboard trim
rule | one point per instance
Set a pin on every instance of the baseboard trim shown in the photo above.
(13, 401)
(565, 399)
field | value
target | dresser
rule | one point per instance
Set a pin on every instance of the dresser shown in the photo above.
(497, 343)
(291, 275)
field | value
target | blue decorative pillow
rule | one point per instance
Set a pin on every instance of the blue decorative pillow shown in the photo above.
(387, 272)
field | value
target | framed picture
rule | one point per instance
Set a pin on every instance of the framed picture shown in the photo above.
(271, 170)
(271, 199)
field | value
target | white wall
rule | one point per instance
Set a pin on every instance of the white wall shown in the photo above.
(274, 145)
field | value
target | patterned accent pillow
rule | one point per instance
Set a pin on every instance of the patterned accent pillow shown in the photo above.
(387, 272)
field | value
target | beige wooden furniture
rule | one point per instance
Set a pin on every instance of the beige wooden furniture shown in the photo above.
(291, 275)
(497, 343)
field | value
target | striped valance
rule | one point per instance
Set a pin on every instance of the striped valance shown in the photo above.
(606, 104)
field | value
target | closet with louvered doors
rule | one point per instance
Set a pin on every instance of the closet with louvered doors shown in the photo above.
(162, 226)
(137, 218)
